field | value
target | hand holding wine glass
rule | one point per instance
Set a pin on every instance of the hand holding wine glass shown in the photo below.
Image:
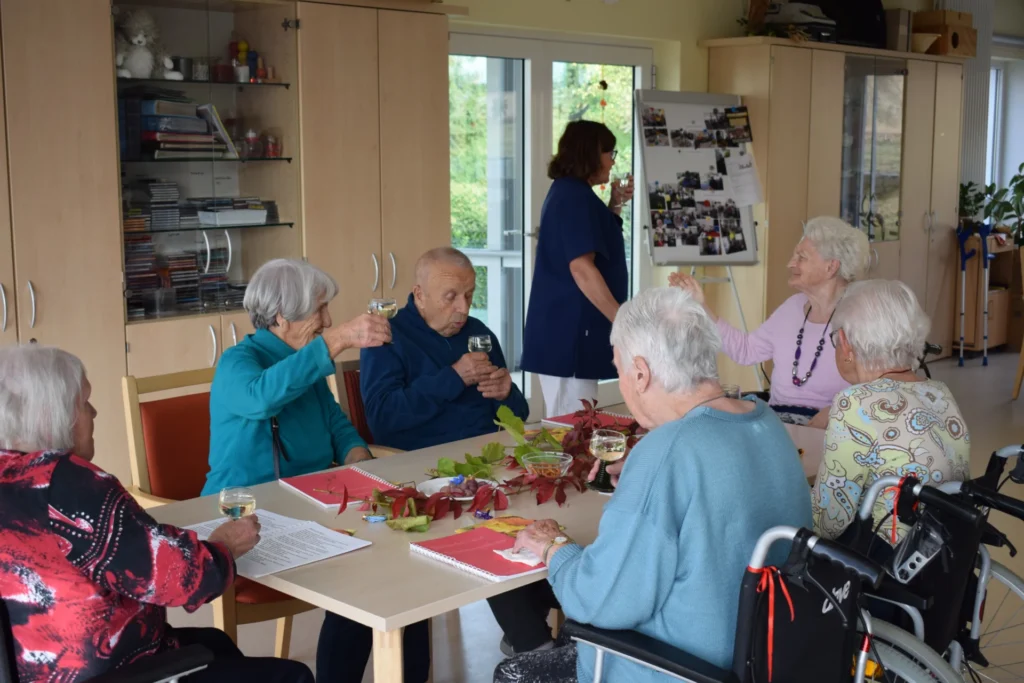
(480, 343)
(239, 535)
(608, 446)
(236, 502)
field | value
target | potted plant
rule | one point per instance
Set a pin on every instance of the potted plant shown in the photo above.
(972, 202)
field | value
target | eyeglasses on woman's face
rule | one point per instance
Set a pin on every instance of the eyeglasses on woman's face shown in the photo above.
(614, 153)
(834, 336)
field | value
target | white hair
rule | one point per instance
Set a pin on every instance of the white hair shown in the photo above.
(884, 324)
(40, 388)
(673, 333)
(837, 240)
(290, 288)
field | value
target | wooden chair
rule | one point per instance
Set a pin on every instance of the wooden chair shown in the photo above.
(169, 444)
(353, 399)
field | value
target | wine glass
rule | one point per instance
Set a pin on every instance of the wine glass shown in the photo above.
(237, 502)
(385, 308)
(731, 391)
(480, 343)
(607, 446)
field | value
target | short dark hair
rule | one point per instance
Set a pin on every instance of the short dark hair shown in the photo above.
(580, 149)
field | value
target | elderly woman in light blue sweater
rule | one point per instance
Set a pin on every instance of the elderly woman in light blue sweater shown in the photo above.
(694, 496)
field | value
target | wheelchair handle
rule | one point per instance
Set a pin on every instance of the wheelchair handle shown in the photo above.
(1007, 452)
(928, 495)
(867, 571)
(996, 501)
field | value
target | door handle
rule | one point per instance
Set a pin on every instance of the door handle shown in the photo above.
(227, 236)
(213, 340)
(394, 269)
(32, 295)
(206, 238)
(376, 272)
(3, 299)
(234, 335)
(876, 257)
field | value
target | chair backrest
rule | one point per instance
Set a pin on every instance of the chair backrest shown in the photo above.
(169, 438)
(356, 409)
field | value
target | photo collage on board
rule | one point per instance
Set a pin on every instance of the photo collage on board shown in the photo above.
(693, 207)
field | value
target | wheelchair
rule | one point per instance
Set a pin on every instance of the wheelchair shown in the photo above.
(798, 623)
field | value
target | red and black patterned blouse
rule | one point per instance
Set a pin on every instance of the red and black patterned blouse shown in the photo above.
(86, 575)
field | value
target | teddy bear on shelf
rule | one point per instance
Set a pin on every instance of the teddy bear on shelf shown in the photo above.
(139, 53)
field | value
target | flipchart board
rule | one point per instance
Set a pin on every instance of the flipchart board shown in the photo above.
(701, 179)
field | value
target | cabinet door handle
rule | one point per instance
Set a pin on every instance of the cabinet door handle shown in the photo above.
(227, 236)
(213, 341)
(376, 272)
(876, 257)
(3, 298)
(32, 295)
(234, 335)
(206, 238)
(394, 269)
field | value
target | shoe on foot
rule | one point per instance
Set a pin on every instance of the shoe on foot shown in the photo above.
(506, 647)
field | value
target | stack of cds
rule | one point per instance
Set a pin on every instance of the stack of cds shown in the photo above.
(162, 198)
(213, 284)
(184, 275)
(139, 272)
(136, 219)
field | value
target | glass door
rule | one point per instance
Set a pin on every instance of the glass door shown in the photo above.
(511, 98)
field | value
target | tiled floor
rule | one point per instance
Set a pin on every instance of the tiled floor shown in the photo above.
(466, 642)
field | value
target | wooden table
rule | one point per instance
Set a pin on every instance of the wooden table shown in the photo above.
(385, 586)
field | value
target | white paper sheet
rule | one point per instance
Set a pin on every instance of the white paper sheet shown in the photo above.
(523, 557)
(746, 187)
(286, 543)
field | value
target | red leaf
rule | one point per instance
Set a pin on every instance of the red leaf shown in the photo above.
(560, 494)
(500, 500)
(344, 500)
(457, 508)
(544, 493)
(365, 507)
(443, 507)
(396, 507)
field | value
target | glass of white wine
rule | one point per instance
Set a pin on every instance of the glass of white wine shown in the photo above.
(385, 308)
(608, 446)
(237, 502)
(480, 343)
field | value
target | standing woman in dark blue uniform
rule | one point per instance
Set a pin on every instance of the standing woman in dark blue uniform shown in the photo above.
(580, 276)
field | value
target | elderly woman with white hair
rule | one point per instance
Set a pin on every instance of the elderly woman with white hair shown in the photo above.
(890, 422)
(272, 415)
(86, 575)
(831, 255)
(690, 504)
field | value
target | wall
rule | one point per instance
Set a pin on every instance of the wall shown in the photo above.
(1009, 17)
(673, 27)
(1013, 134)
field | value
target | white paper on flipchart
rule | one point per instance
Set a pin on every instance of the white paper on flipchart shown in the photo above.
(742, 172)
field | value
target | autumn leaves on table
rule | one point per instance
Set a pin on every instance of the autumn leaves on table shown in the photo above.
(547, 465)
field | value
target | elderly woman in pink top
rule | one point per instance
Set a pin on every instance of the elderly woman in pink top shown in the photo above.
(831, 255)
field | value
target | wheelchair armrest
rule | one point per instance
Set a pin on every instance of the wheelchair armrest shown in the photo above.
(166, 666)
(894, 591)
(649, 652)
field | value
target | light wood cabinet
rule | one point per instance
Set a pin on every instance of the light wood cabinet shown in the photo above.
(8, 296)
(885, 260)
(233, 328)
(162, 347)
(825, 160)
(916, 191)
(64, 182)
(341, 151)
(414, 156)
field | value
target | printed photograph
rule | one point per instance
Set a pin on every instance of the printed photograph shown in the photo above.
(683, 138)
(720, 156)
(656, 197)
(654, 117)
(716, 119)
(688, 180)
(705, 140)
(712, 182)
(656, 137)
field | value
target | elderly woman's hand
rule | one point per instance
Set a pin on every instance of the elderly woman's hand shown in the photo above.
(613, 470)
(240, 535)
(537, 536)
(687, 283)
(363, 332)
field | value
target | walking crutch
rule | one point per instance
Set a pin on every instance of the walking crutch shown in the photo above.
(984, 230)
(962, 235)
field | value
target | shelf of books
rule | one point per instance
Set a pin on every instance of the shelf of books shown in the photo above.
(209, 190)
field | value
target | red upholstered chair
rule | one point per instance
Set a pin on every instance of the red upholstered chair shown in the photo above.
(356, 409)
(169, 445)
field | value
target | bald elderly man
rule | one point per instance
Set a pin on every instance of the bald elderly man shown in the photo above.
(426, 388)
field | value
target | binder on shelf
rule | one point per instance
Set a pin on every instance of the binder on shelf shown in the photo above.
(175, 124)
(168, 108)
(209, 113)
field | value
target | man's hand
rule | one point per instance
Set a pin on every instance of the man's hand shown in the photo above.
(363, 332)
(497, 385)
(357, 454)
(613, 470)
(240, 536)
(473, 368)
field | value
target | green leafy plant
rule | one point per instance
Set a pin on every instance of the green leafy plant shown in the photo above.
(476, 466)
(1007, 206)
(972, 200)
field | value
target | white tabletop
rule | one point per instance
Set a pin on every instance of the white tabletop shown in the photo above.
(386, 586)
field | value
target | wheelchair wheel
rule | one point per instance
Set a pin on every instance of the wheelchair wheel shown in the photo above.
(907, 659)
(1002, 630)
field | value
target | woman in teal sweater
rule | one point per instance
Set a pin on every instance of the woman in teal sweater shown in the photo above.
(694, 496)
(277, 377)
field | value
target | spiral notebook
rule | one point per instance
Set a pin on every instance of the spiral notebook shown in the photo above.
(607, 420)
(475, 552)
(326, 489)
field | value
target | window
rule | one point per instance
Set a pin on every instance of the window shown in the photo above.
(510, 99)
(995, 125)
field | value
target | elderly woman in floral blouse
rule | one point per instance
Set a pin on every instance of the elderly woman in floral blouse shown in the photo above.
(890, 422)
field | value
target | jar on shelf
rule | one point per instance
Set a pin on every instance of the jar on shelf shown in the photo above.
(253, 144)
(272, 146)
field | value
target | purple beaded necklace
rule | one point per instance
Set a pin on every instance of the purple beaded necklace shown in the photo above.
(797, 382)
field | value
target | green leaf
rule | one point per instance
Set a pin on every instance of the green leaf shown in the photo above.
(508, 421)
(525, 449)
(550, 439)
(479, 471)
(474, 459)
(418, 524)
(446, 467)
(493, 452)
